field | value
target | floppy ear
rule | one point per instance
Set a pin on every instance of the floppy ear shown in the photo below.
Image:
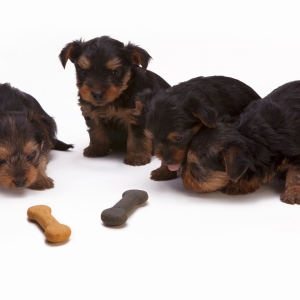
(44, 128)
(139, 56)
(236, 162)
(201, 110)
(70, 51)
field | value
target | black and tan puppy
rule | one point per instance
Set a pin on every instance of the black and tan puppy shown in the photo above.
(177, 113)
(109, 76)
(238, 157)
(27, 134)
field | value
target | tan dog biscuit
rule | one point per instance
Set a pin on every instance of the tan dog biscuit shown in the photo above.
(118, 214)
(54, 231)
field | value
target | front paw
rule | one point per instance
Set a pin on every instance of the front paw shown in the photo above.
(134, 159)
(95, 151)
(42, 183)
(163, 173)
(291, 195)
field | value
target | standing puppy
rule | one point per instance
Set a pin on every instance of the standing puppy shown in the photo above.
(109, 76)
(177, 113)
(238, 157)
(27, 134)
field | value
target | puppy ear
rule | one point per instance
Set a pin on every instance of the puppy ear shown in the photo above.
(139, 56)
(236, 162)
(70, 51)
(44, 128)
(207, 116)
(201, 110)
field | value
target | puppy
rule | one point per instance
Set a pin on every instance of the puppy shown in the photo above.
(27, 134)
(109, 76)
(238, 157)
(177, 113)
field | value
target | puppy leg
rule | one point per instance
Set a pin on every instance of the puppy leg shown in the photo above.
(163, 173)
(43, 182)
(291, 195)
(242, 187)
(99, 142)
(139, 147)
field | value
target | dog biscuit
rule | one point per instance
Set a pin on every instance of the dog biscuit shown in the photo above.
(118, 214)
(54, 231)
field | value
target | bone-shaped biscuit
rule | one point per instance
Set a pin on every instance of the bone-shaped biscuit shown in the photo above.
(54, 231)
(118, 214)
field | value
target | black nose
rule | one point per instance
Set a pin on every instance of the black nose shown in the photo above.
(97, 95)
(20, 183)
(167, 160)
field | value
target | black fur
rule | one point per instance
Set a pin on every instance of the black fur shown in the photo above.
(23, 106)
(109, 77)
(263, 142)
(184, 108)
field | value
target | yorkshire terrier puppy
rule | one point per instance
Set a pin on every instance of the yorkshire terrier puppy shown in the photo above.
(109, 76)
(27, 134)
(176, 114)
(263, 143)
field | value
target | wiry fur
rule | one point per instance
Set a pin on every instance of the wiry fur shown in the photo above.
(177, 113)
(27, 134)
(263, 143)
(109, 77)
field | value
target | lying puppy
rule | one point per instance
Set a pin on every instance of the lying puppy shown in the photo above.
(238, 157)
(176, 114)
(27, 134)
(109, 76)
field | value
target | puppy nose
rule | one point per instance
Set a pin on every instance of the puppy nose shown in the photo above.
(20, 183)
(168, 160)
(97, 95)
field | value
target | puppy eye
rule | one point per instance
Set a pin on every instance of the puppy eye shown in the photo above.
(114, 73)
(2, 162)
(179, 138)
(195, 166)
(83, 72)
(30, 157)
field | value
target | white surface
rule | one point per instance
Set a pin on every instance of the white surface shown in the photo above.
(179, 245)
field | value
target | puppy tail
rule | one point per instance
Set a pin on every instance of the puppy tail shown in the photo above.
(61, 146)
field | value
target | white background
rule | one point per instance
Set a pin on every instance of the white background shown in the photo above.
(180, 245)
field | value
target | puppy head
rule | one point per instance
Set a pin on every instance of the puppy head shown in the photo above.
(172, 120)
(215, 157)
(23, 147)
(103, 67)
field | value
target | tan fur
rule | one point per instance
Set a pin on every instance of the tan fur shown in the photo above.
(173, 135)
(138, 105)
(291, 195)
(5, 153)
(83, 62)
(136, 58)
(178, 155)
(148, 134)
(138, 150)
(85, 93)
(42, 181)
(214, 181)
(114, 63)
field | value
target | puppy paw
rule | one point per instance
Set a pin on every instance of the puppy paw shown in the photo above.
(134, 159)
(291, 195)
(92, 151)
(162, 174)
(41, 184)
